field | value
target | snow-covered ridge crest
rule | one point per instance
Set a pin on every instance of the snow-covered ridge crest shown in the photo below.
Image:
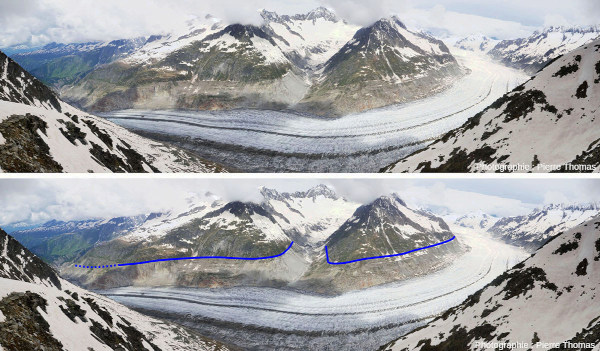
(534, 229)
(534, 52)
(560, 103)
(476, 220)
(523, 305)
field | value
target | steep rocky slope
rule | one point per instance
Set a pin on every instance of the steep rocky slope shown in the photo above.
(547, 124)
(549, 298)
(41, 311)
(313, 62)
(214, 66)
(383, 64)
(311, 219)
(532, 53)
(385, 227)
(533, 230)
(40, 133)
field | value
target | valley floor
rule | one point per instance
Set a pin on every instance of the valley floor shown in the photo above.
(276, 141)
(267, 318)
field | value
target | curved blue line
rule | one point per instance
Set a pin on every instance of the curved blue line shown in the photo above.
(385, 256)
(191, 258)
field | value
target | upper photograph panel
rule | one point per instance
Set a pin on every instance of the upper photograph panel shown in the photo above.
(308, 86)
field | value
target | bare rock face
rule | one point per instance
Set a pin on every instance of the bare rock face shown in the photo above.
(40, 133)
(560, 103)
(533, 53)
(41, 311)
(554, 284)
(313, 62)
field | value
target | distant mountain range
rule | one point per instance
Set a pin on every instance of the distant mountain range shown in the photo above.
(476, 220)
(547, 124)
(534, 52)
(535, 229)
(550, 298)
(477, 43)
(41, 133)
(211, 227)
(41, 311)
(312, 62)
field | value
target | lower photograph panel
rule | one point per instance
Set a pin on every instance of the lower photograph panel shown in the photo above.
(299, 264)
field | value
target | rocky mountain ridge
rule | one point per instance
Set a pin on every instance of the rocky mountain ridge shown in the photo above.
(306, 62)
(41, 311)
(311, 219)
(559, 103)
(522, 306)
(533, 230)
(41, 133)
(534, 52)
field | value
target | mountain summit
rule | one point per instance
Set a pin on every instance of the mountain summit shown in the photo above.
(552, 116)
(313, 62)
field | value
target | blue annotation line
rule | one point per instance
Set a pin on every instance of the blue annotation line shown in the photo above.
(394, 255)
(188, 258)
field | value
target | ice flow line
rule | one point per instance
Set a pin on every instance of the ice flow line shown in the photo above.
(188, 258)
(385, 256)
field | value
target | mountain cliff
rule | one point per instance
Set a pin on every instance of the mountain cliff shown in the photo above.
(41, 311)
(534, 52)
(533, 230)
(40, 133)
(548, 298)
(548, 124)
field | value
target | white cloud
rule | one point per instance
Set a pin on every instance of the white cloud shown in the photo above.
(444, 201)
(38, 22)
(37, 201)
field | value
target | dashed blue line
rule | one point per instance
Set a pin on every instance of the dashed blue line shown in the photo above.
(385, 256)
(187, 258)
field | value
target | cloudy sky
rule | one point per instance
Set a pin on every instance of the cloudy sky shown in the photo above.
(37, 22)
(32, 201)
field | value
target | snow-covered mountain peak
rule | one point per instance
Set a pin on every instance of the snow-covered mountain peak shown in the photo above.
(309, 216)
(319, 12)
(569, 29)
(591, 206)
(312, 193)
(321, 190)
(386, 226)
(534, 229)
(476, 43)
(476, 220)
(313, 15)
(534, 52)
(550, 297)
